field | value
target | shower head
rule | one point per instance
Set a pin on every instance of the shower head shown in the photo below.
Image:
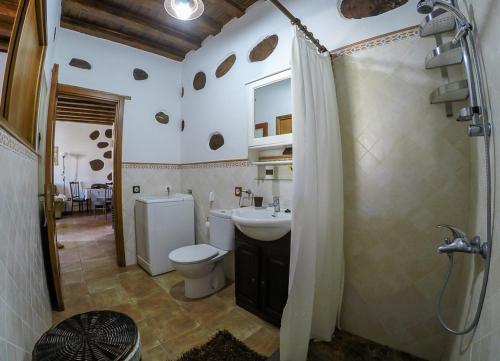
(425, 6)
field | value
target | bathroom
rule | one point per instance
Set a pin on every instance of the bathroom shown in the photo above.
(393, 167)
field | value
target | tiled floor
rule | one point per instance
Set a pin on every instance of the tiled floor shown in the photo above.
(169, 323)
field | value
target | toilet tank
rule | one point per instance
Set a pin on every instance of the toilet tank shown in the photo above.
(221, 229)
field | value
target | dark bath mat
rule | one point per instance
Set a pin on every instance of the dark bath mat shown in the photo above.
(222, 347)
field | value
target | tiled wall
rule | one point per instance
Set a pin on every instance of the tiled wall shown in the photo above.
(406, 169)
(25, 311)
(202, 178)
(483, 345)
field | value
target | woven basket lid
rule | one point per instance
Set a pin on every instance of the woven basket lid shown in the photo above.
(91, 336)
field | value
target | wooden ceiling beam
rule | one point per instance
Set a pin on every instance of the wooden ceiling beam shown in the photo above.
(90, 105)
(84, 121)
(135, 42)
(64, 108)
(89, 117)
(4, 45)
(149, 25)
(84, 114)
(231, 8)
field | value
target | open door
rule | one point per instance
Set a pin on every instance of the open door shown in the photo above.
(53, 267)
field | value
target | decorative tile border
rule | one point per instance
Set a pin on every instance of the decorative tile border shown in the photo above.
(376, 41)
(233, 163)
(131, 165)
(13, 145)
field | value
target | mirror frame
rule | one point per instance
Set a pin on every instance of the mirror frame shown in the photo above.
(273, 140)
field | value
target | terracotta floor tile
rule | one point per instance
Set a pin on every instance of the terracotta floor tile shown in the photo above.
(110, 297)
(173, 325)
(265, 341)
(103, 284)
(168, 280)
(156, 354)
(71, 277)
(148, 336)
(236, 322)
(206, 310)
(227, 294)
(130, 309)
(181, 344)
(140, 288)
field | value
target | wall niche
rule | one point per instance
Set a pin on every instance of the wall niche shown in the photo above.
(359, 9)
(199, 81)
(216, 141)
(264, 49)
(225, 66)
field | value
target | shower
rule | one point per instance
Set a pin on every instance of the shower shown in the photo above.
(444, 16)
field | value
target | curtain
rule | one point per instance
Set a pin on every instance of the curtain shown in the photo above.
(317, 258)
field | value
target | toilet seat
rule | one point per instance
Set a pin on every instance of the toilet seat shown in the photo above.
(193, 254)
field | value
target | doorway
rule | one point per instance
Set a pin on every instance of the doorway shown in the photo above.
(83, 181)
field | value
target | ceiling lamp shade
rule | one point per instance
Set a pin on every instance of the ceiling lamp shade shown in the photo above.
(185, 9)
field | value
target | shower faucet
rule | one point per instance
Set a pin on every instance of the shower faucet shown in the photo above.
(461, 243)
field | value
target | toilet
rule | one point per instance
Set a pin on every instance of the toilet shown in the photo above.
(201, 265)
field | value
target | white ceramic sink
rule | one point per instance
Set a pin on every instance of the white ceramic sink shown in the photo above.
(262, 223)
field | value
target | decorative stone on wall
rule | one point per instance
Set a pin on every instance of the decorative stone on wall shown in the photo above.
(199, 81)
(140, 74)
(108, 154)
(264, 49)
(96, 165)
(225, 66)
(162, 118)
(110, 176)
(102, 145)
(109, 133)
(80, 63)
(94, 135)
(359, 9)
(183, 125)
(182, 92)
(216, 141)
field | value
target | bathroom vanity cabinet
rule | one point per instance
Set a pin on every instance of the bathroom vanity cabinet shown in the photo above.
(262, 270)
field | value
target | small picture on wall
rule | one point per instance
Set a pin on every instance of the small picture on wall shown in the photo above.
(56, 156)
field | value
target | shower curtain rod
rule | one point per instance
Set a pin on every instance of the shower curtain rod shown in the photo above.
(303, 28)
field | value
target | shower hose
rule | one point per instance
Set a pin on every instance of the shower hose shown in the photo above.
(489, 235)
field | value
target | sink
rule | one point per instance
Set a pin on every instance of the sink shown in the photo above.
(262, 223)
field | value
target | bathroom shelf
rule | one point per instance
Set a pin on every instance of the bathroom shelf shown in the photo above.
(274, 162)
(444, 55)
(450, 92)
(437, 22)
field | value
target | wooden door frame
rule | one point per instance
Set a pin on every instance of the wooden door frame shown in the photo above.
(119, 101)
(58, 302)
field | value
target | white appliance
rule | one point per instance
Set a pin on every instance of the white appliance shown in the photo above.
(162, 224)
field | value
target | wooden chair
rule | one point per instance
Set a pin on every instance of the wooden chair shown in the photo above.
(76, 197)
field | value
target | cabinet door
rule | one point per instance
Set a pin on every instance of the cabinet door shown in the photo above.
(274, 283)
(247, 274)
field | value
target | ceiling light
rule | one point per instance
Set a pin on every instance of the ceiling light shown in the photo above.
(184, 9)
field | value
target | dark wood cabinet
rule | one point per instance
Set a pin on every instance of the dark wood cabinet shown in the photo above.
(262, 270)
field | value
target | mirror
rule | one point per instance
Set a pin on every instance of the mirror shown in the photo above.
(273, 109)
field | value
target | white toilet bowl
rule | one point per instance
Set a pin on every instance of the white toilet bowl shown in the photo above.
(201, 265)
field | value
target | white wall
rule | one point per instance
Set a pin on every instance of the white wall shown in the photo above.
(144, 139)
(3, 60)
(222, 105)
(73, 138)
(53, 21)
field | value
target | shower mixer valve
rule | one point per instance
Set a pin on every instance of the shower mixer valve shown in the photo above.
(461, 243)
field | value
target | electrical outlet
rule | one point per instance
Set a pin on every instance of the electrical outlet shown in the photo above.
(238, 191)
(136, 189)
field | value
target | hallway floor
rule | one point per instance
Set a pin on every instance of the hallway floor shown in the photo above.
(169, 323)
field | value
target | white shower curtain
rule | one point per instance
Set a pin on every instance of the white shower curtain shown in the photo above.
(317, 258)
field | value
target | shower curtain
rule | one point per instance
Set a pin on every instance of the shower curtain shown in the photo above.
(317, 258)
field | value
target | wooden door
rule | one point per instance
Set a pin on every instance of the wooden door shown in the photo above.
(54, 275)
(274, 270)
(247, 274)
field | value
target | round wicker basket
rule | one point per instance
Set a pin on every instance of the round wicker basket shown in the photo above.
(91, 336)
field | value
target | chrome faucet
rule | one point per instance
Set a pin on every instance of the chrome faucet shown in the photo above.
(461, 243)
(276, 204)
